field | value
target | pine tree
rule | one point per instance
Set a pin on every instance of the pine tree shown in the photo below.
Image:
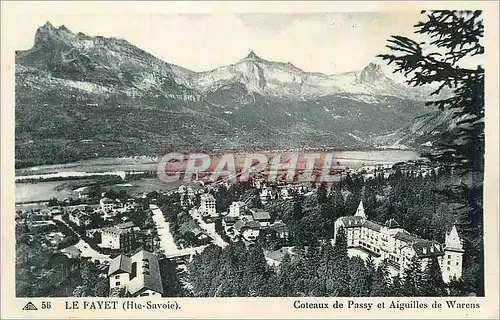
(358, 273)
(321, 194)
(325, 269)
(297, 213)
(370, 272)
(256, 272)
(395, 288)
(413, 280)
(434, 284)
(340, 275)
(381, 281)
(455, 36)
(340, 247)
(285, 286)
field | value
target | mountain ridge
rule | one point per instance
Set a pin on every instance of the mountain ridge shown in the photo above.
(79, 96)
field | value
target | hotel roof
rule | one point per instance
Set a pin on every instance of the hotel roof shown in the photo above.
(372, 225)
(404, 236)
(352, 221)
(427, 248)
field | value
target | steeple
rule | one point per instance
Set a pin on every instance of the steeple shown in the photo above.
(453, 241)
(360, 212)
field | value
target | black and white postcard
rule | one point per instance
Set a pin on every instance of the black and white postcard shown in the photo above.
(247, 159)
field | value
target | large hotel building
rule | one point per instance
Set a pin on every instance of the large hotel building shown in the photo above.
(398, 246)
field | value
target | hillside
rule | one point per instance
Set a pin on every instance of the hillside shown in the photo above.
(79, 96)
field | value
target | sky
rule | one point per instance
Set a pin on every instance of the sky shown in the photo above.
(317, 42)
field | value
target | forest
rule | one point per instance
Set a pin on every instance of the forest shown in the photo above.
(317, 270)
(418, 202)
(42, 272)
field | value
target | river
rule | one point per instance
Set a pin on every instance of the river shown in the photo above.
(40, 191)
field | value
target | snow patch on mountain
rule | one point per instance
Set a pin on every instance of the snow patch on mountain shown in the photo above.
(356, 137)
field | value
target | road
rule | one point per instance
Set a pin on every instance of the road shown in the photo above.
(209, 228)
(167, 242)
(85, 248)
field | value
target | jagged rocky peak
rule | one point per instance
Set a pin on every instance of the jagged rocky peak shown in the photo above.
(47, 26)
(48, 32)
(370, 73)
(252, 56)
(63, 28)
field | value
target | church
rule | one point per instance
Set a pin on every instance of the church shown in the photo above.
(398, 246)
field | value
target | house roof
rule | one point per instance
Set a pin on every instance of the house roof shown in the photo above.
(189, 226)
(372, 225)
(279, 227)
(125, 225)
(230, 219)
(107, 200)
(197, 231)
(147, 278)
(207, 197)
(77, 212)
(238, 203)
(251, 225)
(72, 251)
(239, 224)
(261, 215)
(119, 264)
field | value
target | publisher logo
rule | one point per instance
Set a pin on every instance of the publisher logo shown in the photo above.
(287, 167)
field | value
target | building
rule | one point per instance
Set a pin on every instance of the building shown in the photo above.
(207, 205)
(262, 217)
(250, 230)
(79, 217)
(398, 246)
(452, 260)
(128, 205)
(228, 221)
(192, 226)
(121, 236)
(54, 238)
(138, 275)
(72, 252)
(236, 209)
(265, 195)
(84, 193)
(280, 229)
(94, 234)
(107, 205)
(55, 212)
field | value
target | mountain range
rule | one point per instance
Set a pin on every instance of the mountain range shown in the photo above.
(79, 96)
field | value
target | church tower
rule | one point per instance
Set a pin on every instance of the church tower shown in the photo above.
(360, 212)
(453, 252)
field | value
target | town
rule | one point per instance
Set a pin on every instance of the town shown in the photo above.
(129, 240)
